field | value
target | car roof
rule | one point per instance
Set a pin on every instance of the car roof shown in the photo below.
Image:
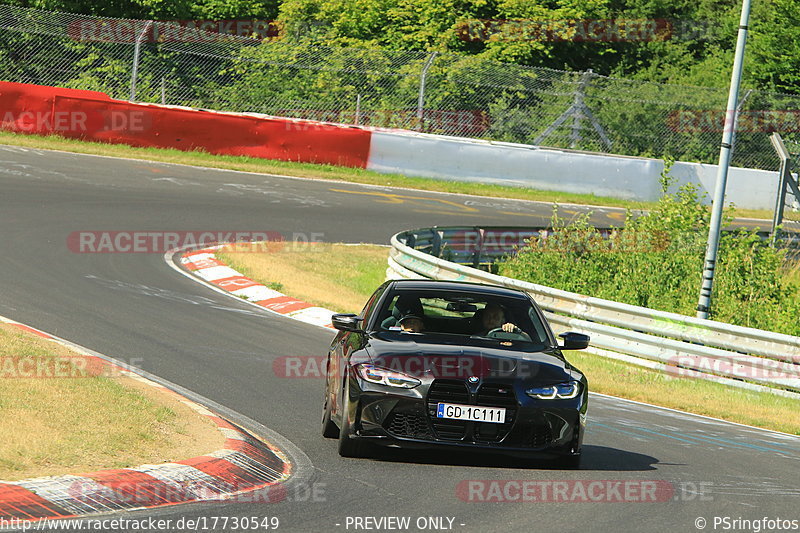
(461, 286)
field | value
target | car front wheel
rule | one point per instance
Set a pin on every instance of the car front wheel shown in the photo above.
(348, 447)
(329, 428)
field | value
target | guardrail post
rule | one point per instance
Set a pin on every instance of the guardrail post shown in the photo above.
(780, 202)
(136, 49)
(476, 258)
(437, 243)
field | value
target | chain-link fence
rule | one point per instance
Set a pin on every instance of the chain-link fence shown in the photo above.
(438, 93)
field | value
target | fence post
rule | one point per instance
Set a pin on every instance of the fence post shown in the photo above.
(579, 105)
(739, 109)
(784, 175)
(136, 48)
(423, 76)
(578, 110)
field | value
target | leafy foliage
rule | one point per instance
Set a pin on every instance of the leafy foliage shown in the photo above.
(698, 51)
(656, 261)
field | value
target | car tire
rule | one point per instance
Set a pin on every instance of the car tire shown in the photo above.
(348, 447)
(329, 428)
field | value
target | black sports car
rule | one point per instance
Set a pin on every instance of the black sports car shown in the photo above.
(431, 363)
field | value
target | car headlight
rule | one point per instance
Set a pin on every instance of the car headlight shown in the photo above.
(384, 376)
(561, 391)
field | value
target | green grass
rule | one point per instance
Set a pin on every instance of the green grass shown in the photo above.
(342, 277)
(334, 276)
(759, 409)
(330, 172)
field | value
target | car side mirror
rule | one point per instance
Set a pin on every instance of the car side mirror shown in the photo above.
(346, 322)
(574, 341)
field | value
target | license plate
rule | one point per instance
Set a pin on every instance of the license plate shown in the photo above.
(473, 413)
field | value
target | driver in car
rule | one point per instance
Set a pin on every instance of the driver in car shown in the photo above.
(412, 324)
(493, 317)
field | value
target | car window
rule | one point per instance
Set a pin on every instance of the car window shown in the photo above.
(465, 314)
(538, 325)
(369, 307)
(442, 308)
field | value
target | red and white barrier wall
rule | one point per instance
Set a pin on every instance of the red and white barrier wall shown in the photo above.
(93, 116)
(96, 117)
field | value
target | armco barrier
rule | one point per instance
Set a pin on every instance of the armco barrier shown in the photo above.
(93, 116)
(681, 345)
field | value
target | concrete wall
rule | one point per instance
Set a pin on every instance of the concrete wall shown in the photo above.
(550, 169)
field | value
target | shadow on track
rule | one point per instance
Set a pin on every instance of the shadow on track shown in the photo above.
(597, 458)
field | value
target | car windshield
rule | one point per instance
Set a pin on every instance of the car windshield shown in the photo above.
(466, 314)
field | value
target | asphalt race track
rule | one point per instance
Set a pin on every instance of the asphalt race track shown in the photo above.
(135, 308)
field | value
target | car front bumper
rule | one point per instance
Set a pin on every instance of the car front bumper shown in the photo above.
(405, 418)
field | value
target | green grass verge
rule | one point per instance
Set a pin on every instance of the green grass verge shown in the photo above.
(342, 277)
(759, 409)
(334, 276)
(330, 172)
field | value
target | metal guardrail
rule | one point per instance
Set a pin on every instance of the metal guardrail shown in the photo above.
(680, 345)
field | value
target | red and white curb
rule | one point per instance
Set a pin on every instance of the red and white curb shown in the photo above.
(246, 468)
(204, 264)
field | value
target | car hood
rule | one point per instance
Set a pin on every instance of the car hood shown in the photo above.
(419, 357)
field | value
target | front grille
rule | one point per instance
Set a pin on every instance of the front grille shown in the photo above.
(494, 395)
(411, 425)
(449, 391)
(489, 395)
